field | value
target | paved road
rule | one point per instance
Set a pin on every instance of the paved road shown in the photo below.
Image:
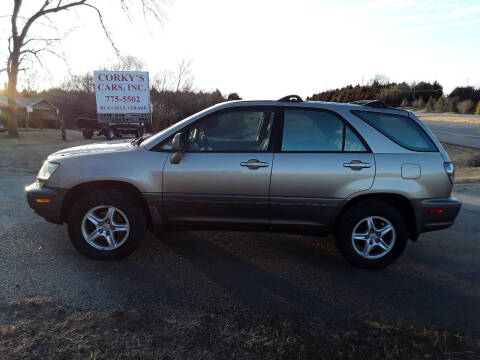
(458, 133)
(437, 279)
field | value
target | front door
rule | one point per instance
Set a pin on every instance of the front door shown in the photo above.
(224, 175)
(320, 163)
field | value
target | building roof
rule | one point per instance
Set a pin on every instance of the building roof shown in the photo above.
(23, 102)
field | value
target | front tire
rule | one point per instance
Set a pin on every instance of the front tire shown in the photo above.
(372, 234)
(106, 225)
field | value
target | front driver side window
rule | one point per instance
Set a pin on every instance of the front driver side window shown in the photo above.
(232, 131)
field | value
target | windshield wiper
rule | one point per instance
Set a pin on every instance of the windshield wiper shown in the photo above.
(134, 141)
(139, 140)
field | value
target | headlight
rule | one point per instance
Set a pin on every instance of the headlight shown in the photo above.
(47, 170)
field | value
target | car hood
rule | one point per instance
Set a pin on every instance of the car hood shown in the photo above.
(99, 148)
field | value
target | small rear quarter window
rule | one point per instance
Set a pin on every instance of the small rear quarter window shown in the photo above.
(398, 128)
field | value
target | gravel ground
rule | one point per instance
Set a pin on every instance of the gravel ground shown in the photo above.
(436, 281)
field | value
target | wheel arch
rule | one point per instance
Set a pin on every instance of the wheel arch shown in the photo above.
(400, 202)
(80, 190)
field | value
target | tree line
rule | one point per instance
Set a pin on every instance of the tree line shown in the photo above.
(173, 98)
(423, 95)
(169, 106)
(76, 98)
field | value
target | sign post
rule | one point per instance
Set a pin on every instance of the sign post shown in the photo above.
(29, 110)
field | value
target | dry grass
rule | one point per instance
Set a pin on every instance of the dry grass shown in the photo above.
(42, 329)
(466, 161)
(40, 137)
(453, 118)
(27, 153)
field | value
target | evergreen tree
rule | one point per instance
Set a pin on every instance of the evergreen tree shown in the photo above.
(419, 102)
(465, 106)
(429, 104)
(451, 107)
(440, 105)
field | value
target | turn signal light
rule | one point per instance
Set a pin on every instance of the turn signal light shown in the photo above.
(435, 211)
(47, 201)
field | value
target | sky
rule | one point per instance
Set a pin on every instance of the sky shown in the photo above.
(265, 49)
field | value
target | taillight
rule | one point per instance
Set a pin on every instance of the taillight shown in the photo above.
(450, 169)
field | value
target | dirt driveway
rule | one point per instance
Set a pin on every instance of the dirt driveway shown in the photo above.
(209, 294)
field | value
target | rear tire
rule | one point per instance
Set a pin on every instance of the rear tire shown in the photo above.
(107, 242)
(359, 238)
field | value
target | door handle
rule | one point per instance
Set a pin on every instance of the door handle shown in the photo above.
(357, 165)
(254, 164)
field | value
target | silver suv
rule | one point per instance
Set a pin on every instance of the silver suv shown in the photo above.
(371, 175)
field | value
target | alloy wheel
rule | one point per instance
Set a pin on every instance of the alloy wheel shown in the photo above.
(105, 227)
(373, 237)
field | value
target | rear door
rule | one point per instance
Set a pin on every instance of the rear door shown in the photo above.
(319, 161)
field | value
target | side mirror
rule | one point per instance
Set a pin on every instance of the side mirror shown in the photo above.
(179, 144)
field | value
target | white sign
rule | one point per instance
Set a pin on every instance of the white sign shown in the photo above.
(29, 109)
(122, 92)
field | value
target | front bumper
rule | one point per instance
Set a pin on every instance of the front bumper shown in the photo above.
(46, 202)
(437, 214)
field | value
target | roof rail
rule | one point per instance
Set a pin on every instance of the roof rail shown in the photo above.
(371, 103)
(291, 98)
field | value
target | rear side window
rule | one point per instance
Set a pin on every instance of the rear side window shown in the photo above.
(398, 128)
(317, 131)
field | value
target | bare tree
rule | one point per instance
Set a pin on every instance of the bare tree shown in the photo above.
(81, 83)
(22, 46)
(30, 83)
(164, 80)
(184, 78)
(127, 63)
(86, 84)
